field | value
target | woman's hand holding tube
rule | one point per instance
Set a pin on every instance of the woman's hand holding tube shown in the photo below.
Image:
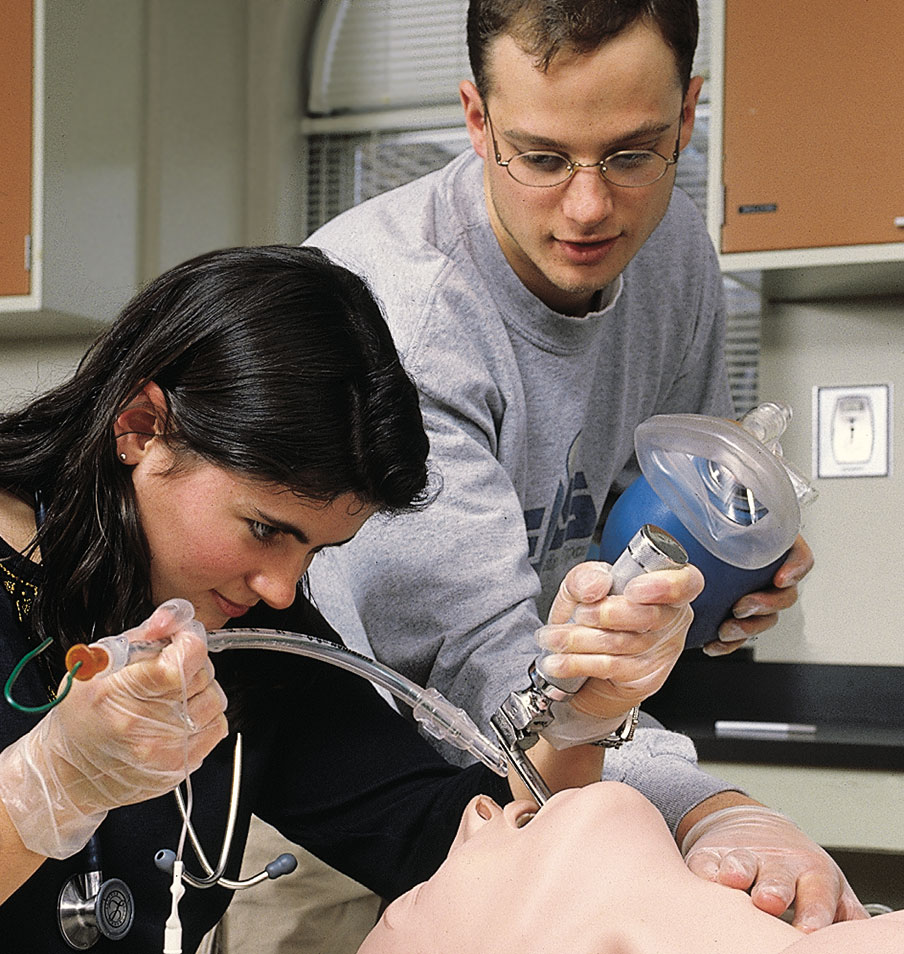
(624, 645)
(116, 740)
(762, 851)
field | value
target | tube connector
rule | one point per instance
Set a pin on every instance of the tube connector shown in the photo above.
(444, 721)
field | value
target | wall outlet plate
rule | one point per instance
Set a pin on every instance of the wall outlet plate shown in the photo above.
(852, 431)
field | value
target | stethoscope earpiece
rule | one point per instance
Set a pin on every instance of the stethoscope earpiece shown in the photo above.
(285, 864)
(164, 860)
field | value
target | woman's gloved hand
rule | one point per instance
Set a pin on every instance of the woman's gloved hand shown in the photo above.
(762, 851)
(117, 739)
(625, 645)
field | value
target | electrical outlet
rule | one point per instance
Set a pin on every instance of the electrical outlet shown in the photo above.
(852, 431)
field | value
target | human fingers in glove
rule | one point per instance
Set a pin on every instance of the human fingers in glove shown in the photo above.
(755, 849)
(626, 645)
(757, 612)
(115, 740)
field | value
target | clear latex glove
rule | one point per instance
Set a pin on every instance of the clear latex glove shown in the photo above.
(755, 613)
(115, 740)
(762, 851)
(625, 645)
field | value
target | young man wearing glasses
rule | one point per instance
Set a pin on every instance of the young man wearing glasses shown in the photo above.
(548, 291)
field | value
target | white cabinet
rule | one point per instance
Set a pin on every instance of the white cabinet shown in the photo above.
(839, 808)
(156, 130)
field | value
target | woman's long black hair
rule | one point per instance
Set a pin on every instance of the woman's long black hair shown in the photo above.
(275, 363)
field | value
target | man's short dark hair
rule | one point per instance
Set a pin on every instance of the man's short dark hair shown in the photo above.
(544, 28)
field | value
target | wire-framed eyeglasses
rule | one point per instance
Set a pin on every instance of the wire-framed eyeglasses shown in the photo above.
(628, 168)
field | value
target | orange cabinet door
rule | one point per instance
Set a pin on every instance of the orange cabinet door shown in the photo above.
(16, 68)
(813, 124)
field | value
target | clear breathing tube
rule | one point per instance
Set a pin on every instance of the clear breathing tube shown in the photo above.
(430, 708)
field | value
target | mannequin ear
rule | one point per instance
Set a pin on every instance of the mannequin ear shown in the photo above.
(139, 423)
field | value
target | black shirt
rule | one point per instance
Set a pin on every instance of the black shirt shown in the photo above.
(326, 761)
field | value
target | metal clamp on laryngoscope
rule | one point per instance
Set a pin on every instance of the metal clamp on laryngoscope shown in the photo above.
(525, 714)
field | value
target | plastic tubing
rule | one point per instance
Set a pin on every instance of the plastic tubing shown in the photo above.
(430, 708)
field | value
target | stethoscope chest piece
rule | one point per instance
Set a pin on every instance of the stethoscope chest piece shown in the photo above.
(89, 908)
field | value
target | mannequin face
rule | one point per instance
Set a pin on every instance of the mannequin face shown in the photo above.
(596, 871)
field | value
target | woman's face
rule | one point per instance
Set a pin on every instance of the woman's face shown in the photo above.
(224, 542)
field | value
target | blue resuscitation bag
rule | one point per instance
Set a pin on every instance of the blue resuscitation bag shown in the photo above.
(725, 584)
(724, 491)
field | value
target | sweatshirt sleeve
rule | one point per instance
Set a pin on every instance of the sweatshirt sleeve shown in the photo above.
(663, 765)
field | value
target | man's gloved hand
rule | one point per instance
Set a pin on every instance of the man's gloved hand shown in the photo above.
(116, 740)
(762, 851)
(625, 645)
(756, 612)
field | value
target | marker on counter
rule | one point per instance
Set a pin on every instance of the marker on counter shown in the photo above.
(735, 727)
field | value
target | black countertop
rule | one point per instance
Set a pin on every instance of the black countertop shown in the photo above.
(857, 711)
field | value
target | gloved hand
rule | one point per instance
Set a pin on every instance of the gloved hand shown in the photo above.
(626, 645)
(756, 612)
(754, 848)
(116, 740)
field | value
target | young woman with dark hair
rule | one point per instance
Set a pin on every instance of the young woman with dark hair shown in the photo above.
(246, 410)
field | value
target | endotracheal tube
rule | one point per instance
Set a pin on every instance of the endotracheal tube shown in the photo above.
(430, 708)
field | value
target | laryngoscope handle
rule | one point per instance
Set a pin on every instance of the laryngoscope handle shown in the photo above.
(651, 548)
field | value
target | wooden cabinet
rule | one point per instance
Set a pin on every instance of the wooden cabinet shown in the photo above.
(17, 102)
(807, 133)
(71, 160)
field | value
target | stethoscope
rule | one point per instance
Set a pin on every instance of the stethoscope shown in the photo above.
(89, 907)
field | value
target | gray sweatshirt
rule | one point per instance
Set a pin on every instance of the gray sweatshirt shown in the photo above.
(531, 416)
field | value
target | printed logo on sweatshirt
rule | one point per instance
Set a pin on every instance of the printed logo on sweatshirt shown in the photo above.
(572, 516)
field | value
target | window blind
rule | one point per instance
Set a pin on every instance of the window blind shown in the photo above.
(396, 54)
(387, 54)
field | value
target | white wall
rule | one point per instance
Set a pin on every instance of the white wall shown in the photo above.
(850, 607)
(31, 366)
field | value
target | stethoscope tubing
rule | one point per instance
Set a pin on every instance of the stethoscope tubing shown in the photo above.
(215, 875)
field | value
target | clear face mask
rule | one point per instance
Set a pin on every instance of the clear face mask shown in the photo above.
(726, 481)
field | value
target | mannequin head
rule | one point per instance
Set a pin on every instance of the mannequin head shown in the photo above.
(596, 871)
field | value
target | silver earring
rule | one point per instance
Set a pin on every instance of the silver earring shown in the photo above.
(122, 456)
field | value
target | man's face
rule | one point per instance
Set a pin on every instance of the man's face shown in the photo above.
(566, 242)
